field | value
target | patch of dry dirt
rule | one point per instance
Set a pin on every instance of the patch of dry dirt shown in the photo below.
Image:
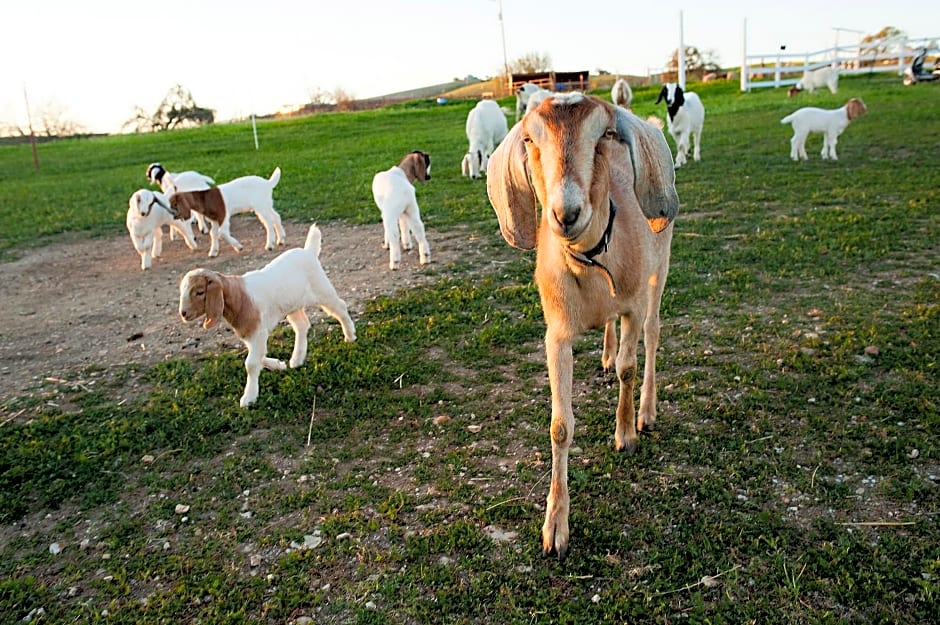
(71, 305)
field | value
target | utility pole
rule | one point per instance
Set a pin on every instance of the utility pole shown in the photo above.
(502, 30)
(32, 135)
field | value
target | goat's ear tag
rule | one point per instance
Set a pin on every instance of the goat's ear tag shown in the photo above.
(658, 224)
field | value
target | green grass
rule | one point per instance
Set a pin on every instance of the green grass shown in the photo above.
(793, 477)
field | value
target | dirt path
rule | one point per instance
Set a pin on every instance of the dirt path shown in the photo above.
(71, 305)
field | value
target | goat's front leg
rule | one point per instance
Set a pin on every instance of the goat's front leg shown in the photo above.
(144, 245)
(682, 149)
(156, 248)
(202, 223)
(213, 239)
(225, 234)
(299, 321)
(560, 365)
(257, 345)
(829, 146)
(416, 227)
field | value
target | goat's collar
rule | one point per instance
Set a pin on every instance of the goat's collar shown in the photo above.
(157, 201)
(587, 258)
(150, 206)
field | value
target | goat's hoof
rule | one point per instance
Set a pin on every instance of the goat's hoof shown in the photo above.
(554, 545)
(626, 447)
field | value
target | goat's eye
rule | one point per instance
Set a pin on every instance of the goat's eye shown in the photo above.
(526, 139)
(610, 134)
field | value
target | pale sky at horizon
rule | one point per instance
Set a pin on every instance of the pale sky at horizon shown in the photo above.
(94, 61)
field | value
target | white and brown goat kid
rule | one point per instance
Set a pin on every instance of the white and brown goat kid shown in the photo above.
(254, 303)
(147, 212)
(606, 184)
(240, 195)
(394, 193)
(830, 122)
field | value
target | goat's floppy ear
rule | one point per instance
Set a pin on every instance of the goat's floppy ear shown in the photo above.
(662, 94)
(679, 97)
(215, 302)
(511, 193)
(654, 176)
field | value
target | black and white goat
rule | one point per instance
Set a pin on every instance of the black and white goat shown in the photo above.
(686, 116)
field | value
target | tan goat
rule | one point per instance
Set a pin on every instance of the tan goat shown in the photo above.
(606, 184)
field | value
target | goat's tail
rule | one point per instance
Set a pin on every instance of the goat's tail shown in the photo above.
(275, 177)
(313, 240)
(788, 118)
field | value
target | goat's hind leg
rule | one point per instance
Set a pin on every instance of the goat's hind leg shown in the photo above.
(299, 321)
(405, 231)
(331, 304)
(625, 430)
(610, 345)
(392, 241)
(417, 229)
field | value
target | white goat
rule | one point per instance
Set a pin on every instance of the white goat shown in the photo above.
(830, 122)
(528, 96)
(486, 127)
(819, 78)
(606, 185)
(147, 212)
(394, 193)
(241, 195)
(621, 94)
(183, 181)
(255, 302)
(685, 120)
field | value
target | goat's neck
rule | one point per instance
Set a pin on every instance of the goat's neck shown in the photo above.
(239, 309)
(408, 171)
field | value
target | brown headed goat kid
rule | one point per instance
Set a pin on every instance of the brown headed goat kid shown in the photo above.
(606, 185)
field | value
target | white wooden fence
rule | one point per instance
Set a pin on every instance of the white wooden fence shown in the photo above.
(781, 69)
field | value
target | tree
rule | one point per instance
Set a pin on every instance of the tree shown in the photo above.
(177, 110)
(697, 63)
(48, 121)
(879, 43)
(531, 63)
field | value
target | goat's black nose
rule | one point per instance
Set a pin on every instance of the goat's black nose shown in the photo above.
(570, 216)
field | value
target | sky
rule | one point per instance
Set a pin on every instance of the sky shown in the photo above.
(93, 62)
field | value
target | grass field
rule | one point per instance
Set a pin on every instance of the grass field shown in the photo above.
(793, 476)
